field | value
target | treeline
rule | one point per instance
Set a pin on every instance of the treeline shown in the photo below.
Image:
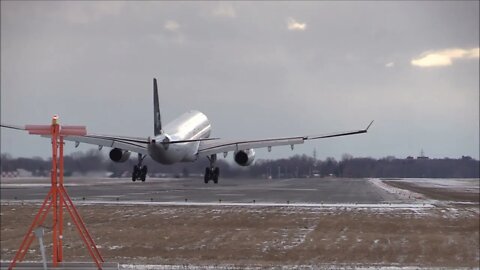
(348, 166)
(296, 166)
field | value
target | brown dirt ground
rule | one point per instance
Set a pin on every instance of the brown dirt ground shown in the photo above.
(438, 193)
(263, 236)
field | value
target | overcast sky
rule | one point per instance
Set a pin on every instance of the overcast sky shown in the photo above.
(256, 69)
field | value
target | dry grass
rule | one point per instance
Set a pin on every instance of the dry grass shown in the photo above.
(263, 236)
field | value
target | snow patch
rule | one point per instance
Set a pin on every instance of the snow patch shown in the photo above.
(327, 206)
(460, 184)
(401, 193)
(282, 267)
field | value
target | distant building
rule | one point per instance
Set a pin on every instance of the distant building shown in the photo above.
(422, 155)
(9, 174)
(16, 173)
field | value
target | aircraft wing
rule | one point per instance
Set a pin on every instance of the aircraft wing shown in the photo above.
(13, 127)
(134, 144)
(125, 143)
(207, 148)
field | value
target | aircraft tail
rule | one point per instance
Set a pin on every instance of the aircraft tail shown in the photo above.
(157, 128)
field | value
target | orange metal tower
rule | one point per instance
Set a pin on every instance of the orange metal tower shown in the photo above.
(57, 198)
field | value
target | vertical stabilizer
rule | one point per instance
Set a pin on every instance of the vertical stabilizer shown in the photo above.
(157, 128)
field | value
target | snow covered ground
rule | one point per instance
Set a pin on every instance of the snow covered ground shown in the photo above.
(403, 194)
(268, 236)
(284, 267)
(259, 267)
(431, 185)
(461, 184)
(403, 206)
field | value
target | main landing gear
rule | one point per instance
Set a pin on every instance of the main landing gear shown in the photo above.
(139, 171)
(212, 172)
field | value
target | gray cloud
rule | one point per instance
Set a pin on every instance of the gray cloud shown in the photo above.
(237, 62)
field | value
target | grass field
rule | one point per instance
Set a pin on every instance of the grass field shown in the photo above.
(263, 236)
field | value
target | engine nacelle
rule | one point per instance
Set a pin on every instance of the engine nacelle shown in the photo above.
(244, 157)
(119, 155)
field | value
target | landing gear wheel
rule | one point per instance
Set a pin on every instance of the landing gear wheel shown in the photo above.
(206, 177)
(216, 173)
(135, 173)
(212, 172)
(143, 173)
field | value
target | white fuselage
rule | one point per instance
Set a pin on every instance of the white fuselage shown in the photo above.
(189, 126)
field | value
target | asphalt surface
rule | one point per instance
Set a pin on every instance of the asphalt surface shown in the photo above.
(313, 190)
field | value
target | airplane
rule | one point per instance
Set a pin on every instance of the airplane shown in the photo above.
(185, 139)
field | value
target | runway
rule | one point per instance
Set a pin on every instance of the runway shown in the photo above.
(301, 190)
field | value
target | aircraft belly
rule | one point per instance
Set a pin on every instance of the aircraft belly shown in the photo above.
(191, 152)
(171, 155)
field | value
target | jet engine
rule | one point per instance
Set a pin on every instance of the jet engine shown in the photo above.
(244, 157)
(119, 155)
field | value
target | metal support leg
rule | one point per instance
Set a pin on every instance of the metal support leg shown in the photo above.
(212, 159)
(140, 159)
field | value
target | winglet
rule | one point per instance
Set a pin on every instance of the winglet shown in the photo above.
(157, 128)
(369, 125)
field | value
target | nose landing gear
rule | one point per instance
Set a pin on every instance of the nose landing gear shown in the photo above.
(212, 172)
